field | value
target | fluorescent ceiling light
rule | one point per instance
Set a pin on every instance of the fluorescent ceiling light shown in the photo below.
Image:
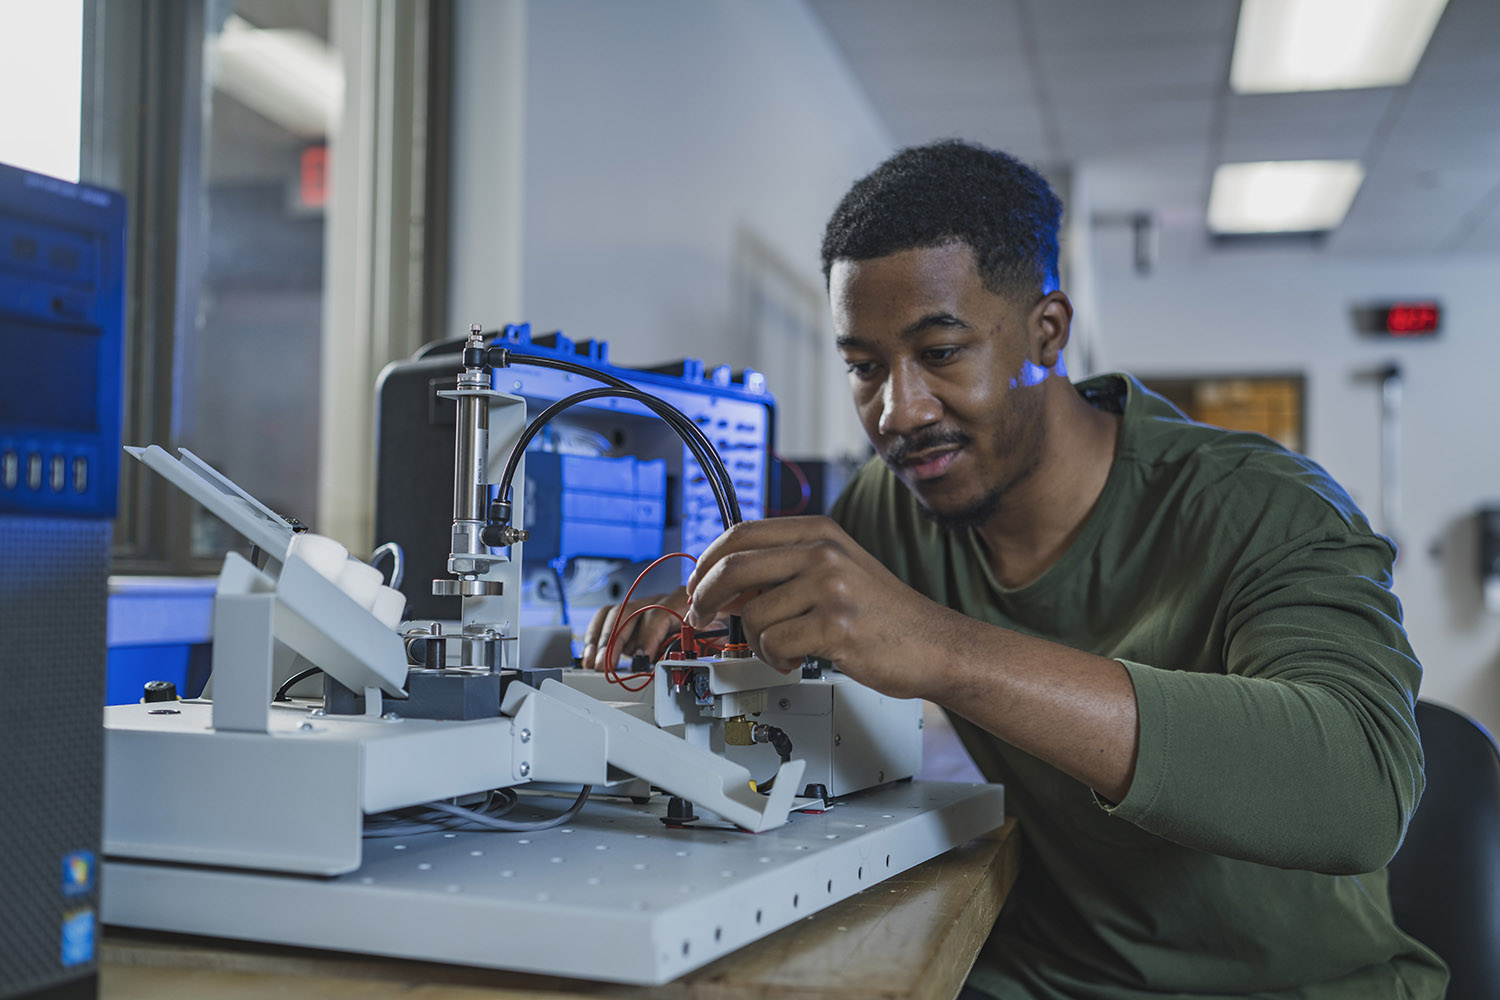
(1286, 45)
(290, 76)
(1286, 196)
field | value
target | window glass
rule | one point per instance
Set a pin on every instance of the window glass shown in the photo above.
(41, 85)
(248, 401)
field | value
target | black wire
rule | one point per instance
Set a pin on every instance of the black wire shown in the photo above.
(729, 505)
(433, 817)
(294, 680)
(562, 593)
(782, 744)
(467, 817)
(712, 466)
(711, 470)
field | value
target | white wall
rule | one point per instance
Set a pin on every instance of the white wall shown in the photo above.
(1277, 310)
(663, 138)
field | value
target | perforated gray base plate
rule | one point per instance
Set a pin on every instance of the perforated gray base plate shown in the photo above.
(615, 895)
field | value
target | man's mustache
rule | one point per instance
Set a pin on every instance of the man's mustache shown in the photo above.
(903, 449)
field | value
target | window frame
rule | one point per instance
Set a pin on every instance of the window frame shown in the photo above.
(143, 134)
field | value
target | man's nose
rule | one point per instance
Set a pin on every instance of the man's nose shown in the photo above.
(907, 404)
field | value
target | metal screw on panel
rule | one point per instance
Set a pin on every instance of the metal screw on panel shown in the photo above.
(306, 727)
(391, 717)
(317, 713)
(525, 736)
(784, 704)
(524, 769)
(837, 739)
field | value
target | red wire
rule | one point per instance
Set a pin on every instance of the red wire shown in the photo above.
(709, 644)
(610, 674)
(609, 652)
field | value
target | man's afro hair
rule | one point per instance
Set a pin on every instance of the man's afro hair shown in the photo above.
(953, 191)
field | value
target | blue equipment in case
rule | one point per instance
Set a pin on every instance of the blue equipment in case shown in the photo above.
(62, 279)
(607, 481)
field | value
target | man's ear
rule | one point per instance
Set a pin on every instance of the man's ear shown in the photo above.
(1049, 325)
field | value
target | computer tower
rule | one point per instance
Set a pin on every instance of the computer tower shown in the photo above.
(62, 249)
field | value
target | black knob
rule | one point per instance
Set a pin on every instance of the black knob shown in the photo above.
(679, 812)
(159, 691)
(429, 651)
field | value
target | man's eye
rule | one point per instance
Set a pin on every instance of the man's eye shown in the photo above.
(938, 355)
(860, 369)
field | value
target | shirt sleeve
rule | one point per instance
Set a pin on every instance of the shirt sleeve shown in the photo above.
(1304, 752)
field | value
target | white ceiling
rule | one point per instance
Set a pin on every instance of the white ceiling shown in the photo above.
(1135, 95)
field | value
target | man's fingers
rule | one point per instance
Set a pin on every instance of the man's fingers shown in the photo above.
(642, 632)
(771, 533)
(738, 576)
(784, 644)
(594, 638)
(591, 638)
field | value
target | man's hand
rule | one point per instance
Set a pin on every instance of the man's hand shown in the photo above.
(644, 634)
(804, 587)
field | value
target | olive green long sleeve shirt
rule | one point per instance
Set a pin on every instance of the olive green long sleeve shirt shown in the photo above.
(1279, 761)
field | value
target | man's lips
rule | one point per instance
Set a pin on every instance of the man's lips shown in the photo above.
(930, 465)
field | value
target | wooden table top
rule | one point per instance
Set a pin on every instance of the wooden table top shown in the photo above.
(913, 935)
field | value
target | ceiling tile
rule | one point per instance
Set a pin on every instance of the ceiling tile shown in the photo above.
(1134, 71)
(1338, 125)
(1173, 186)
(1465, 47)
(1313, 110)
(1453, 101)
(1125, 126)
(934, 27)
(1445, 126)
(903, 77)
(1328, 125)
(1092, 23)
(1017, 130)
(1129, 90)
(1398, 209)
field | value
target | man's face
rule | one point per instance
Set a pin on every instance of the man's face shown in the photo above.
(941, 377)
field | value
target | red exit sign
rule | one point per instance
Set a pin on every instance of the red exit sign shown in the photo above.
(1411, 319)
(312, 177)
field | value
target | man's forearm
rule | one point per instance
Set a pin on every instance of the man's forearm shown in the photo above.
(1074, 710)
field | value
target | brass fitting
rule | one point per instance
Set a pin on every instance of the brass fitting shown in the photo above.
(738, 731)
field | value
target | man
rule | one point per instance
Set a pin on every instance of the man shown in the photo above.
(1174, 645)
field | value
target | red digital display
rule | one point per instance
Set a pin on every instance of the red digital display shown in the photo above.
(1412, 319)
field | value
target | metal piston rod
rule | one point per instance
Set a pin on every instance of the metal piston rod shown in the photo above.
(478, 572)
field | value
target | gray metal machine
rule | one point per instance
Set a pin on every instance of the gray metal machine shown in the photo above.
(450, 799)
